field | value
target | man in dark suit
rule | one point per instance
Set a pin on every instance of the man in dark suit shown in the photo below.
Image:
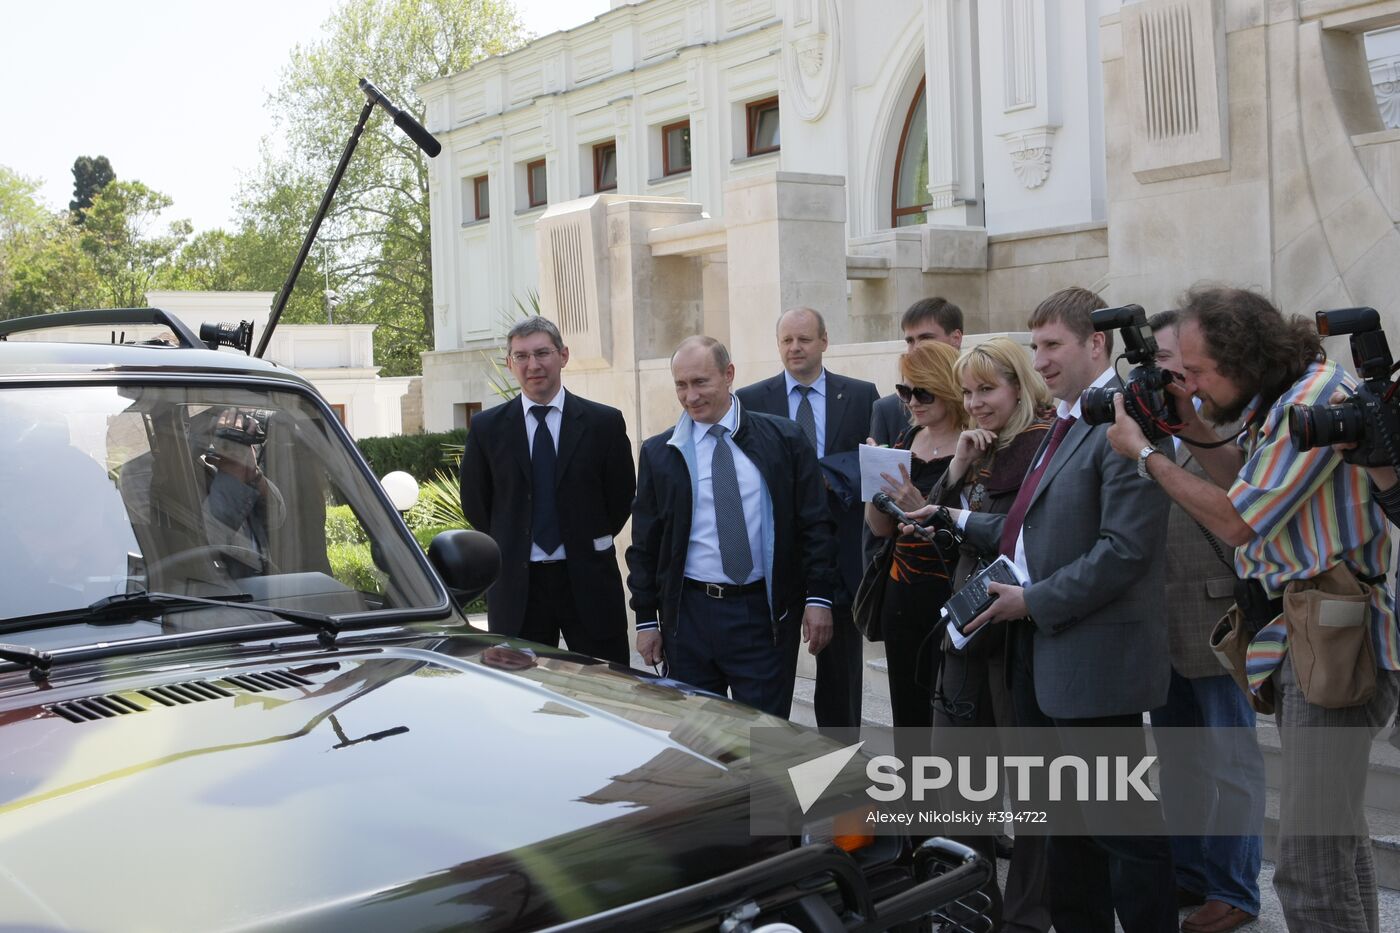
(550, 478)
(1087, 645)
(833, 412)
(732, 542)
(926, 319)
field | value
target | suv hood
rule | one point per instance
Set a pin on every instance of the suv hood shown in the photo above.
(427, 783)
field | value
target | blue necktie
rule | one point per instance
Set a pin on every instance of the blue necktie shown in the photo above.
(544, 513)
(734, 553)
(806, 418)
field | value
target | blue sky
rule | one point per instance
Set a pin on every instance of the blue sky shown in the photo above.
(171, 91)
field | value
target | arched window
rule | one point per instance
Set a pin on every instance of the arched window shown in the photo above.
(911, 197)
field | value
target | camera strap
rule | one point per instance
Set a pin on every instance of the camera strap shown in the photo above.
(1215, 546)
(1210, 445)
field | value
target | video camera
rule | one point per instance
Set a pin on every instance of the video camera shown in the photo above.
(1370, 419)
(1145, 392)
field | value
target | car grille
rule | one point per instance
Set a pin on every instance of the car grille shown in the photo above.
(114, 705)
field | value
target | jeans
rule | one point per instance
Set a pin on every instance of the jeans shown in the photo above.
(1220, 868)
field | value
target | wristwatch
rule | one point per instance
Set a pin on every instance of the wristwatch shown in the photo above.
(1143, 454)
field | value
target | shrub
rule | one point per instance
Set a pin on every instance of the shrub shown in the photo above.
(421, 455)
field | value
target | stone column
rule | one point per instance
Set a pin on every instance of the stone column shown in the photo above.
(786, 247)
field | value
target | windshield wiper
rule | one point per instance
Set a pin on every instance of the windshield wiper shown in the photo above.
(38, 662)
(124, 605)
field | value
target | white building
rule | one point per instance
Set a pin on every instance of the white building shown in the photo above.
(988, 151)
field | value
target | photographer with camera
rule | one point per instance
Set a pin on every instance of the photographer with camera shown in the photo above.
(1302, 522)
(1087, 640)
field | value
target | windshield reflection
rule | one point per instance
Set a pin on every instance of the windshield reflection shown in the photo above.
(217, 492)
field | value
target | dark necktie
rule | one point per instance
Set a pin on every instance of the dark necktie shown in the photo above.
(544, 514)
(734, 553)
(806, 418)
(1017, 516)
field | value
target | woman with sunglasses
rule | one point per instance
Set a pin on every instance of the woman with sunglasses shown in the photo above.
(1008, 402)
(920, 572)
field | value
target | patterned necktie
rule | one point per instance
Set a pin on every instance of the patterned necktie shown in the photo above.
(734, 553)
(806, 419)
(1017, 516)
(544, 513)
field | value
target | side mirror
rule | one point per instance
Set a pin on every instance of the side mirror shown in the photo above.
(467, 561)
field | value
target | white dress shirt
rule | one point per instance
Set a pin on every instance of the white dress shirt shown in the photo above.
(554, 420)
(702, 557)
(1064, 410)
(817, 399)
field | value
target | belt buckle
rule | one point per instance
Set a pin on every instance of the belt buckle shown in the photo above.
(714, 590)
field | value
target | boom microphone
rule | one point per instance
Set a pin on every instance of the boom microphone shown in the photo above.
(403, 120)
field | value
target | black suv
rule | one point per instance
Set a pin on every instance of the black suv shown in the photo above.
(204, 724)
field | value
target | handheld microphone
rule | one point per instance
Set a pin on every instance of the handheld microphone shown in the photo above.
(403, 120)
(941, 536)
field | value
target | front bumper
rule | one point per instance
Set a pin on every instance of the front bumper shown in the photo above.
(794, 886)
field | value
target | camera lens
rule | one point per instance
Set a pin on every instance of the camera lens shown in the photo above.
(1096, 405)
(1323, 425)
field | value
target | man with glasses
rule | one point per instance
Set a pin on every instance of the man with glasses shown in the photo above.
(550, 477)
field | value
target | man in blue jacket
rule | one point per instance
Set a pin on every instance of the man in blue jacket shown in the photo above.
(732, 542)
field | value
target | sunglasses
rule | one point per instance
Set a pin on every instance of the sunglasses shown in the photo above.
(922, 396)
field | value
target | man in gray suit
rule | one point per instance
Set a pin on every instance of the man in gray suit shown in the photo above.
(926, 319)
(1220, 874)
(1088, 638)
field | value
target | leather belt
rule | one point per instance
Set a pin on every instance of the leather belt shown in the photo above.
(724, 590)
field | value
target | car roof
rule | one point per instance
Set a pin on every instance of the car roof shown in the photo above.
(28, 358)
(39, 358)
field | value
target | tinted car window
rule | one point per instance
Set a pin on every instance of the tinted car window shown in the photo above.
(203, 491)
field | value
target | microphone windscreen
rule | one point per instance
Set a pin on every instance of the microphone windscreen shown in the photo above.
(417, 133)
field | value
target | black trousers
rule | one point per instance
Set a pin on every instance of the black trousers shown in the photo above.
(1090, 878)
(550, 612)
(727, 646)
(839, 667)
(912, 650)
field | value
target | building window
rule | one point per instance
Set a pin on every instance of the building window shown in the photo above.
(763, 126)
(675, 148)
(605, 166)
(462, 413)
(481, 197)
(536, 184)
(911, 197)
(339, 412)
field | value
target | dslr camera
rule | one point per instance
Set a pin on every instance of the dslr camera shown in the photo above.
(1144, 392)
(1370, 419)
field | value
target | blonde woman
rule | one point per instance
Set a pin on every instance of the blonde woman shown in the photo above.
(920, 573)
(1007, 400)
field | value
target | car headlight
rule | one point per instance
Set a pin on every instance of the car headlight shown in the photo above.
(847, 831)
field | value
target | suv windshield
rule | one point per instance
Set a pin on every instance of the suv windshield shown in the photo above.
(211, 491)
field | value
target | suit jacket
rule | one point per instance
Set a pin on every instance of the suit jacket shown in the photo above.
(799, 543)
(595, 481)
(1200, 586)
(888, 420)
(848, 405)
(1095, 550)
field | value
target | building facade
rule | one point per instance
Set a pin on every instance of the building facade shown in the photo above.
(678, 166)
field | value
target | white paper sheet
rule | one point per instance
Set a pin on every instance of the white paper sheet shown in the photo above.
(877, 460)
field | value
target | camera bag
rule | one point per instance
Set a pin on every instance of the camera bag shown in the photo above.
(1329, 638)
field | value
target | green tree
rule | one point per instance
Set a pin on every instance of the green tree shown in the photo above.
(42, 267)
(377, 231)
(90, 176)
(125, 249)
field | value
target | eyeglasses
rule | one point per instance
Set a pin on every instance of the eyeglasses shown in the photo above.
(539, 356)
(921, 395)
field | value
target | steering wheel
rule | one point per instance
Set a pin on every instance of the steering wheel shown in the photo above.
(205, 554)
